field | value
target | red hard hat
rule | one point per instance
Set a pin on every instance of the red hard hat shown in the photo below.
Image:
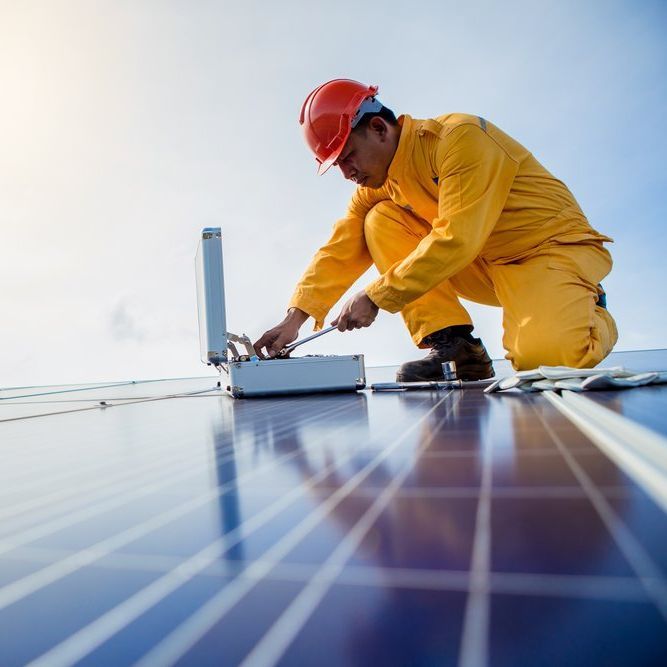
(329, 114)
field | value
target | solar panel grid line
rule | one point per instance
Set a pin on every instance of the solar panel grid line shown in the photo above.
(29, 456)
(114, 561)
(361, 575)
(88, 638)
(32, 440)
(43, 445)
(282, 633)
(156, 464)
(498, 492)
(21, 475)
(182, 466)
(76, 506)
(76, 493)
(463, 452)
(78, 446)
(33, 582)
(540, 585)
(62, 481)
(638, 451)
(584, 586)
(638, 558)
(184, 637)
(570, 586)
(604, 587)
(158, 449)
(90, 511)
(428, 492)
(475, 636)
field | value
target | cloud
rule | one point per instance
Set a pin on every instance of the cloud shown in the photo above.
(124, 326)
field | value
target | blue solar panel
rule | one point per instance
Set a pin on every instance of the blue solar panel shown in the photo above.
(164, 523)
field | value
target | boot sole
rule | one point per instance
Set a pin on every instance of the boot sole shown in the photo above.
(469, 373)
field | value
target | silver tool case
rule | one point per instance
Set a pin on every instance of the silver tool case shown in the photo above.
(243, 374)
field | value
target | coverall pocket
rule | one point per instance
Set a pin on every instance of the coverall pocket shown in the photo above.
(590, 261)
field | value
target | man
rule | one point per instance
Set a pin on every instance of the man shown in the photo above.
(445, 208)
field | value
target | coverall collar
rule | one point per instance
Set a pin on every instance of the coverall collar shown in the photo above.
(404, 149)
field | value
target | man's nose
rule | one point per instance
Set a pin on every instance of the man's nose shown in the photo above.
(349, 172)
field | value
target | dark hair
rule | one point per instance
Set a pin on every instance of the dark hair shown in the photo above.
(384, 113)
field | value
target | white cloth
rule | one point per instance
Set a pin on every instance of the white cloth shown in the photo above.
(550, 378)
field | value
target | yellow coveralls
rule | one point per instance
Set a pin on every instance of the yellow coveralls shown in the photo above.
(466, 211)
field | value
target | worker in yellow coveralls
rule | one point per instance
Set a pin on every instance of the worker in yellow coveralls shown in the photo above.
(445, 208)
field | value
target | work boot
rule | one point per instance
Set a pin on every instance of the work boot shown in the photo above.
(602, 297)
(450, 344)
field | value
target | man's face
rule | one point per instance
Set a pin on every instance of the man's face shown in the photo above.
(367, 154)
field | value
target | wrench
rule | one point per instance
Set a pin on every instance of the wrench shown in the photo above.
(288, 348)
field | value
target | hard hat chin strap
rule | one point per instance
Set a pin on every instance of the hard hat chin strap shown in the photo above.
(369, 105)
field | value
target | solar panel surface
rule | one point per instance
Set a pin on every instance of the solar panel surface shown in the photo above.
(174, 525)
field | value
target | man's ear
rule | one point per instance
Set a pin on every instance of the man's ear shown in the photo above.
(378, 126)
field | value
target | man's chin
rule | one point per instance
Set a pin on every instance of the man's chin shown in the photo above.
(373, 184)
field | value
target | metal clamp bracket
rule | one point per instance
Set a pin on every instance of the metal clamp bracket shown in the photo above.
(243, 340)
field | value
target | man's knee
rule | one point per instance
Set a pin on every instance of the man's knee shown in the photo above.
(384, 214)
(552, 346)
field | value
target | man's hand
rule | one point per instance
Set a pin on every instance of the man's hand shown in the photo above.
(282, 334)
(357, 313)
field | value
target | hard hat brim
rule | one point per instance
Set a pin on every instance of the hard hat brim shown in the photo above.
(323, 167)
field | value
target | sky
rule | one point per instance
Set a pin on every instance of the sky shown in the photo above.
(126, 126)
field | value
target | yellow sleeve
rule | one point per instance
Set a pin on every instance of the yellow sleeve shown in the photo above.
(475, 176)
(338, 263)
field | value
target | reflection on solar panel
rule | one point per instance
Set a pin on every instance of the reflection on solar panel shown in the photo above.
(163, 523)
